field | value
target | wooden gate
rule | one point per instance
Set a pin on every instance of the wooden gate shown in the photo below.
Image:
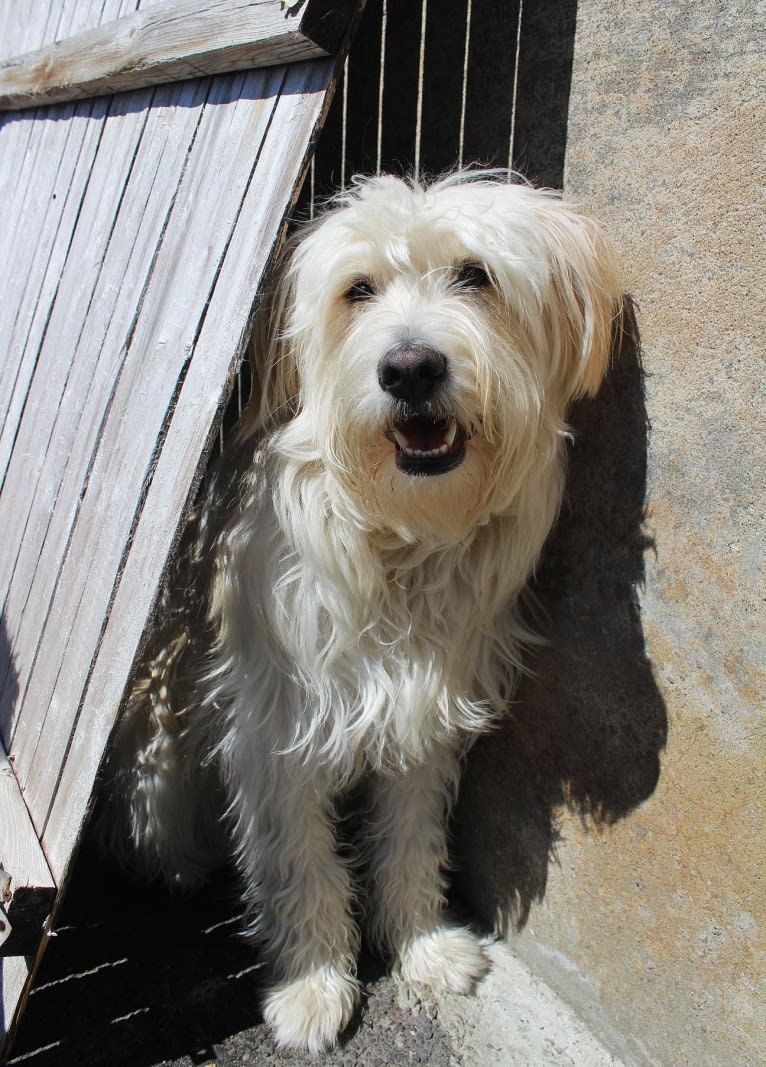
(135, 230)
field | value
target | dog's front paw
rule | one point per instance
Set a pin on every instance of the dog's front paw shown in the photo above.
(309, 1012)
(448, 958)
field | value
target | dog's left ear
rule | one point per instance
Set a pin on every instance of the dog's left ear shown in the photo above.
(590, 298)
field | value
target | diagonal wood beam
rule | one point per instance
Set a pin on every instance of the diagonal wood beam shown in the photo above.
(172, 41)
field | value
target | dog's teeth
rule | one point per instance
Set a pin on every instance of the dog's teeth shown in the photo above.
(427, 453)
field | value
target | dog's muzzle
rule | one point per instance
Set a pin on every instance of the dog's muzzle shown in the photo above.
(413, 374)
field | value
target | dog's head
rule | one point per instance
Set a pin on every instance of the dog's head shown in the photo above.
(424, 343)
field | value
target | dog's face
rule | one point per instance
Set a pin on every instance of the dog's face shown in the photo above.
(426, 343)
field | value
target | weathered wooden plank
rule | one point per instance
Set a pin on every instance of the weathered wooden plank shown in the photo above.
(174, 41)
(92, 323)
(21, 135)
(98, 351)
(54, 398)
(73, 142)
(24, 140)
(19, 33)
(216, 352)
(71, 491)
(45, 220)
(27, 30)
(14, 975)
(235, 120)
(27, 889)
(40, 210)
(49, 191)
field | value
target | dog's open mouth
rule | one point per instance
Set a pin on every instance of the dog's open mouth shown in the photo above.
(428, 446)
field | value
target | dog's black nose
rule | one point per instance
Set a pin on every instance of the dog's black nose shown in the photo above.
(411, 372)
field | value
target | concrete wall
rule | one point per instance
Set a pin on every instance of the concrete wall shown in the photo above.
(615, 825)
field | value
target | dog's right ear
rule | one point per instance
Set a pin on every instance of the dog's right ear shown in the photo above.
(276, 384)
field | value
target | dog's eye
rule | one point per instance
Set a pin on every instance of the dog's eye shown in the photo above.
(471, 276)
(363, 289)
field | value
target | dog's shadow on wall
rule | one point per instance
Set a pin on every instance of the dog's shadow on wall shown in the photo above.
(587, 727)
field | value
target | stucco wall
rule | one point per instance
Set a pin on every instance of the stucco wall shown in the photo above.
(622, 806)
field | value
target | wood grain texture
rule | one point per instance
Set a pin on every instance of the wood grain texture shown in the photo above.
(139, 230)
(174, 41)
(46, 166)
(86, 341)
(33, 147)
(39, 154)
(28, 896)
(159, 342)
(14, 975)
(178, 465)
(51, 400)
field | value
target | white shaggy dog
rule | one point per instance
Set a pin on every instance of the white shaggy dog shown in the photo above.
(347, 610)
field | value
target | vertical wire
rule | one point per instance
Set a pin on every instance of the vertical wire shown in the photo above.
(464, 96)
(421, 67)
(515, 90)
(343, 126)
(381, 81)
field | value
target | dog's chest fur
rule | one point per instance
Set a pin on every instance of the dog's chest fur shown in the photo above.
(382, 648)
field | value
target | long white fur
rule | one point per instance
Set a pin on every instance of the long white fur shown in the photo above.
(363, 623)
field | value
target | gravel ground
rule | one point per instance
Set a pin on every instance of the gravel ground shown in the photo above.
(137, 977)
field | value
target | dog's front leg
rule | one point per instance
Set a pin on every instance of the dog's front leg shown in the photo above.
(408, 856)
(298, 890)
